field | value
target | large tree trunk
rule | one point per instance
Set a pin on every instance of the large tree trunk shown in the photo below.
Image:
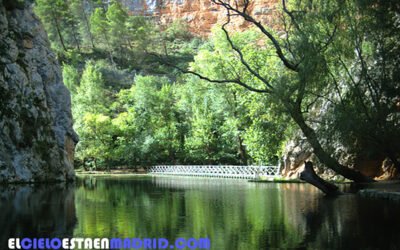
(309, 175)
(323, 156)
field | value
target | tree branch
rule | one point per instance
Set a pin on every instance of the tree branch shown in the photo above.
(290, 65)
(242, 60)
(235, 80)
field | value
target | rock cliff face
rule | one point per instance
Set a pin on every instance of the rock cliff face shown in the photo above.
(36, 136)
(201, 15)
(298, 150)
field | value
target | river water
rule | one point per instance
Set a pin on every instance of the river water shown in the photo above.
(233, 214)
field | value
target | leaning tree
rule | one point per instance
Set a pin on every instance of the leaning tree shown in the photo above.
(344, 53)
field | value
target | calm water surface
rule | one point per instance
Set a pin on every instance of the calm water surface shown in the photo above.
(233, 214)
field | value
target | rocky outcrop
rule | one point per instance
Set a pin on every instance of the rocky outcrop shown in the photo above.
(297, 151)
(36, 136)
(201, 15)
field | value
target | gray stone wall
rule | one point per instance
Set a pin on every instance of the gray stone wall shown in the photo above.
(36, 137)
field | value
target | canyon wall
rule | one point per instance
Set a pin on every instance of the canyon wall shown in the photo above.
(36, 137)
(201, 15)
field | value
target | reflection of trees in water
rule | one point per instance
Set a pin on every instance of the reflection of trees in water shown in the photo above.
(344, 222)
(350, 222)
(234, 214)
(88, 182)
(36, 211)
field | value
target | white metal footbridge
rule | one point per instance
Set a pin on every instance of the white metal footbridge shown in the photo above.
(222, 171)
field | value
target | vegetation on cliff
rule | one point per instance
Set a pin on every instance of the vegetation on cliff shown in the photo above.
(332, 71)
(131, 109)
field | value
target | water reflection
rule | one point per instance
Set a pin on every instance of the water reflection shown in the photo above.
(233, 214)
(36, 211)
(350, 222)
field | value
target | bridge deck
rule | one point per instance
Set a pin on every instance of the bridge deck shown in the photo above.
(241, 172)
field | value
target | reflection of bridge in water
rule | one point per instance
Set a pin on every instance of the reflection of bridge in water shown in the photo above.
(239, 172)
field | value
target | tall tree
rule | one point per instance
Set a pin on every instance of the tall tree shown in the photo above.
(60, 23)
(117, 17)
(100, 28)
(316, 32)
(51, 12)
(82, 14)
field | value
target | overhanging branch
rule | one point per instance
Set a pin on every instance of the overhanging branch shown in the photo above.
(237, 80)
(242, 60)
(290, 65)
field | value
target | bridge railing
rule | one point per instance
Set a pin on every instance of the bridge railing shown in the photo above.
(225, 171)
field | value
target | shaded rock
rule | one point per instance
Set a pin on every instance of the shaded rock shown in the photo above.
(36, 136)
(297, 151)
(27, 43)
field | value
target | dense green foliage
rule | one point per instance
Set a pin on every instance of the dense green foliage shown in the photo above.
(207, 207)
(130, 109)
(334, 73)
